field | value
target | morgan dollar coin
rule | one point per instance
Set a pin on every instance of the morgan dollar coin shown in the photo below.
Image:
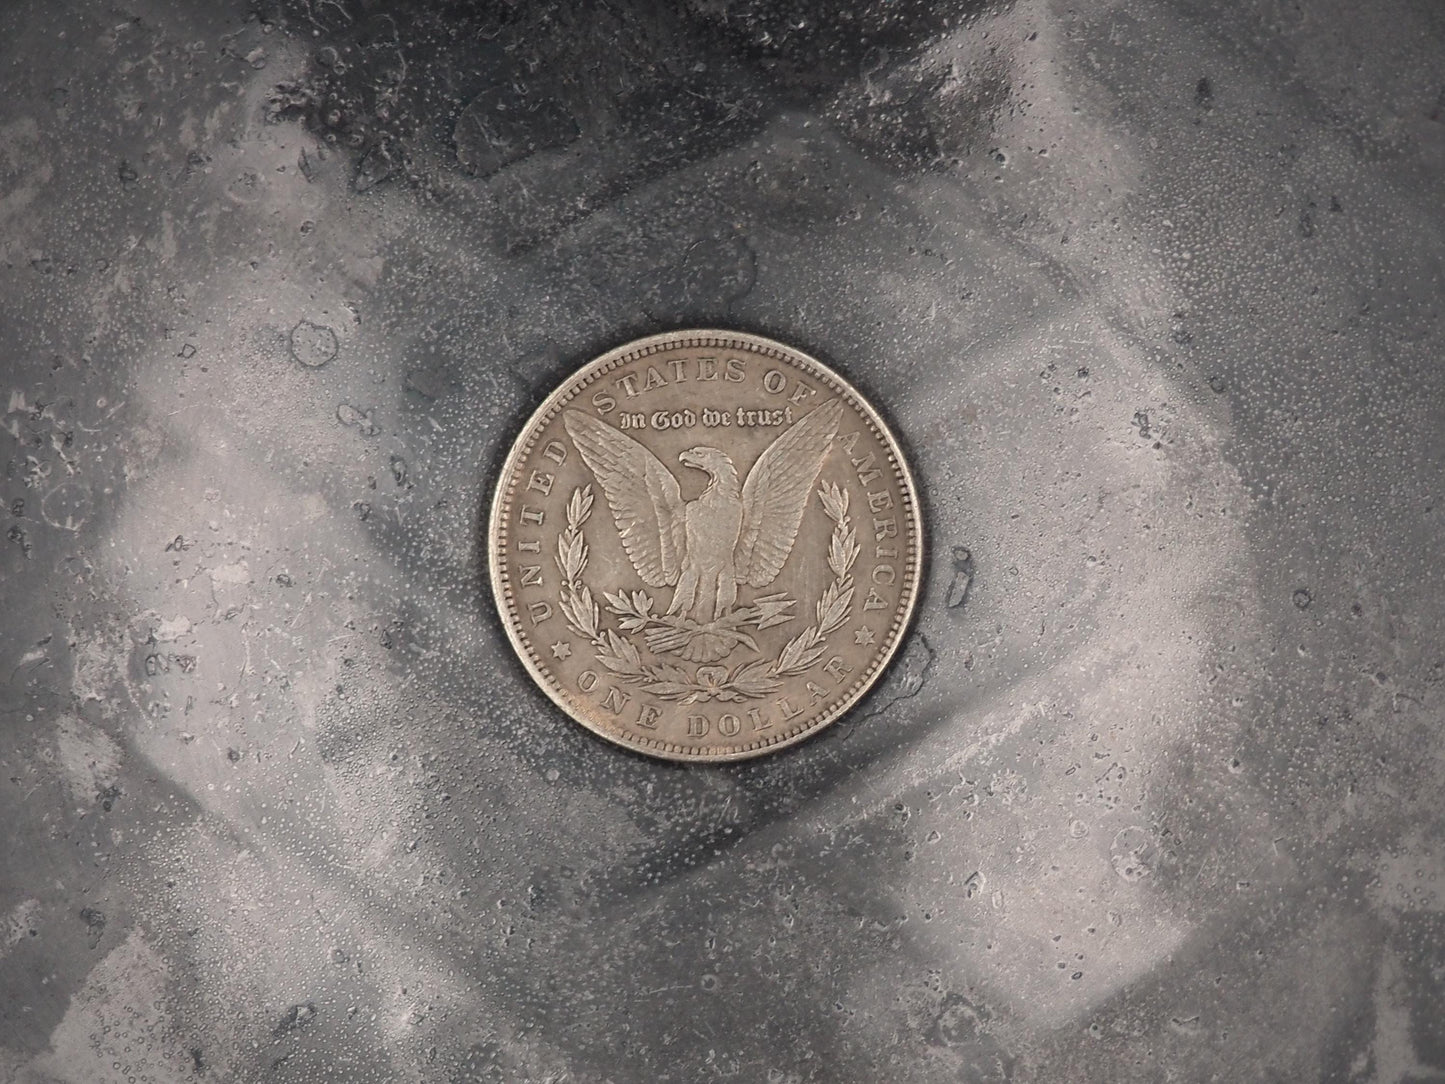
(705, 545)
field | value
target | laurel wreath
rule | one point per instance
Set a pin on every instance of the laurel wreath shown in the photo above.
(678, 683)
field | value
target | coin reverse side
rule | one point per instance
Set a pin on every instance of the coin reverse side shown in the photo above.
(705, 545)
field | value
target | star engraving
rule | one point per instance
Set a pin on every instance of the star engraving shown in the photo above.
(561, 650)
(864, 635)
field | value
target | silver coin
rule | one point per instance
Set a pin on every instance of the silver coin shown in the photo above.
(705, 545)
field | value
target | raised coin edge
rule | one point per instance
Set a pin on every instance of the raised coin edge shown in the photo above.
(569, 388)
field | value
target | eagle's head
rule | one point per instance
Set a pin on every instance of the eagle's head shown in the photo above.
(713, 460)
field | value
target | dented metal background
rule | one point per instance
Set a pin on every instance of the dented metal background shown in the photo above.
(1152, 294)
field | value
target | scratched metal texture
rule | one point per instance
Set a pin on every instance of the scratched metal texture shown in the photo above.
(1151, 293)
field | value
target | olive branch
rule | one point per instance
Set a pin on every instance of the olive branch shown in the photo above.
(670, 681)
(805, 649)
(666, 632)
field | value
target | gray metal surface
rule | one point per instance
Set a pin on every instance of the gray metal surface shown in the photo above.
(1151, 293)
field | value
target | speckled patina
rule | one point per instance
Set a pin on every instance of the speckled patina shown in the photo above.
(806, 502)
(1151, 295)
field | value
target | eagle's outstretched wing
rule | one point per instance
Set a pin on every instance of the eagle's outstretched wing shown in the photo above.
(776, 493)
(642, 493)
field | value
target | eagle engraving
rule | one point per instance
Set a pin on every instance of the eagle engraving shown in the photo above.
(735, 534)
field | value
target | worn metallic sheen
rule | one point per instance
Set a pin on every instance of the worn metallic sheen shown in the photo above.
(724, 607)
